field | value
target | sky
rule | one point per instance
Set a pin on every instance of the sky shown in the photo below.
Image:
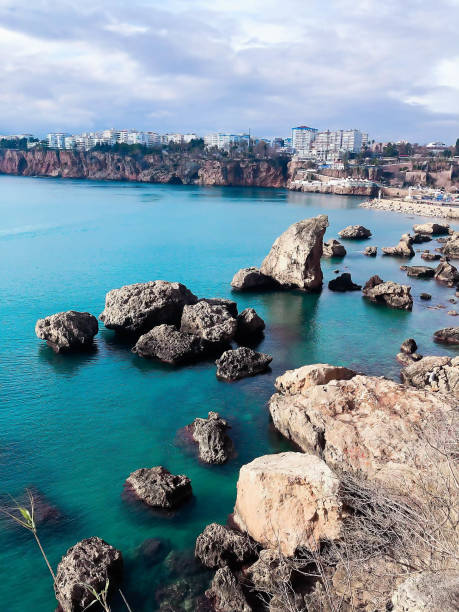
(390, 68)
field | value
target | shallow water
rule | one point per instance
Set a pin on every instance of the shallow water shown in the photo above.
(74, 427)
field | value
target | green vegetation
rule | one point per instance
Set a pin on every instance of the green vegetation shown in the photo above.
(16, 143)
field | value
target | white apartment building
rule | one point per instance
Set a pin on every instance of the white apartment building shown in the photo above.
(56, 140)
(223, 141)
(302, 138)
(351, 141)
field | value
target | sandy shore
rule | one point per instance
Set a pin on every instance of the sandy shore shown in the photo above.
(415, 208)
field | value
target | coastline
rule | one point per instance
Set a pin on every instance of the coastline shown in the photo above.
(415, 208)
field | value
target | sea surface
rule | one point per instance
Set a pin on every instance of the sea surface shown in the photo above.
(74, 427)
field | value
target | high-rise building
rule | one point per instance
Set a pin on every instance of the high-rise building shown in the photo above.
(302, 138)
(57, 140)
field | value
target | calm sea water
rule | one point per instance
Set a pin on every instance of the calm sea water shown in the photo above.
(74, 427)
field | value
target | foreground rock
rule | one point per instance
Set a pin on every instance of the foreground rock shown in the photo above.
(343, 283)
(419, 271)
(218, 546)
(211, 322)
(158, 488)
(447, 273)
(434, 373)
(370, 251)
(435, 229)
(447, 335)
(288, 501)
(249, 324)
(170, 345)
(70, 330)
(226, 593)
(403, 248)
(333, 248)
(251, 279)
(135, 309)
(215, 446)
(408, 352)
(270, 571)
(426, 592)
(298, 381)
(240, 363)
(229, 304)
(90, 563)
(364, 425)
(294, 258)
(354, 232)
(389, 293)
(451, 247)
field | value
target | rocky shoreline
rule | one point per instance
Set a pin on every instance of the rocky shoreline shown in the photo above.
(412, 208)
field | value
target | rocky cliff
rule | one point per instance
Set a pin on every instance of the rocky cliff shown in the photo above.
(161, 167)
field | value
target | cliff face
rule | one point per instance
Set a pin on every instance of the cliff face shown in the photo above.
(154, 168)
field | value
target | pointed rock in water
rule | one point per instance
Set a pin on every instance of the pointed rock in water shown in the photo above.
(354, 232)
(158, 488)
(240, 363)
(389, 293)
(170, 345)
(419, 271)
(211, 322)
(251, 279)
(298, 381)
(135, 309)
(435, 229)
(90, 563)
(333, 248)
(370, 251)
(447, 273)
(343, 283)
(249, 324)
(70, 330)
(451, 247)
(447, 335)
(226, 593)
(218, 546)
(215, 445)
(294, 258)
(403, 248)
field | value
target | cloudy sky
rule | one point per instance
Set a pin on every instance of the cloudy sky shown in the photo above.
(388, 67)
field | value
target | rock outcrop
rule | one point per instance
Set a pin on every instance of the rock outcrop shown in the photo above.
(158, 488)
(170, 345)
(370, 251)
(135, 309)
(402, 249)
(226, 593)
(421, 238)
(288, 501)
(435, 229)
(426, 592)
(85, 566)
(294, 258)
(354, 232)
(333, 248)
(419, 271)
(270, 571)
(298, 381)
(211, 322)
(215, 446)
(433, 373)
(251, 279)
(427, 256)
(447, 273)
(240, 363)
(447, 335)
(70, 330)
(220, 546)
(408, 352)
(229, 304)
(451, 246)
(249, 324)
(389, 293)
(343, 283)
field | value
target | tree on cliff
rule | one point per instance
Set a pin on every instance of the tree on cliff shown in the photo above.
(457, 147)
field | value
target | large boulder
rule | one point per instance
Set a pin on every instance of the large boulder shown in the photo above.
(158, 488)
(240, 363)
(289, 501)
(226, 593)
(87, 566)
(435, 229)
(249, 324)
(370, 251)
(354, 232)
(343, 283)
(389, 293)
(333, 248)
(447, 335)
(215, 446)
(270, 572)
(230, 304)
(70, 330)
(298, 381)
(251, 279)
(170, 345)
(421, 238)
(402, 249)
(135, 309)
(218, 546)
(451, 247)
(294, 258)
(408, 352)
(447, 273)
(365, 425)
(433, 373)
(419, 271)
(428, 592)
(212, 322)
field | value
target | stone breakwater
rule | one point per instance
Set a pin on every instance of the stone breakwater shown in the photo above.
(415, 208)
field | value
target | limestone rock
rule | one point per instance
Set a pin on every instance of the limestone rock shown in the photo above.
(447, 335)
(389, 293)
(218, 546)
(343, 283)
(447, 273)
(214, 443)
(288, 501)
(371, 251)
(333, 248)
(430, 256)
(249, 324)
(158, 488)
(428, 591)
(135, 309)
(298, 381)
(435, 229)
(251, 279)
(402, 249)
(90, 562)
(240, 363)
(294, 258)
(226, 593)
(68, 330)
(451, 247)
(229, 304)
(434, 373)
(354, 232)
(212, 322)
(170, 345)
(420, 271)
(270, 571)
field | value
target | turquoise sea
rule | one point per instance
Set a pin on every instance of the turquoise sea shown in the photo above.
(74, 427)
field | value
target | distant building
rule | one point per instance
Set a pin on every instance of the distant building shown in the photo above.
(223, 141)
(56, 140)
(302, 138)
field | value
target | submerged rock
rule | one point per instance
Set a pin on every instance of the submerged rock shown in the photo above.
(425, 296)
(447, 335)
(298, 381)
(218, 546)
(435, 229)
(251, 279)
(419, 271)
(212, 322)
(294, 258)
(434, 373)
(90, 563)
(354, 232)
(240, 363)
(451, 246)
(343, 283)
(403, 248)
(135, 309)
(447, 273)
(215, 446)
(389, 293)
(170, 345)
(333, 248)
(226, 593)
(370, 251)
(70, 330)
(249, 324)
(158, 488)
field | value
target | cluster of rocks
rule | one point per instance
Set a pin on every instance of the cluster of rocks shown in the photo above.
(389, 293)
